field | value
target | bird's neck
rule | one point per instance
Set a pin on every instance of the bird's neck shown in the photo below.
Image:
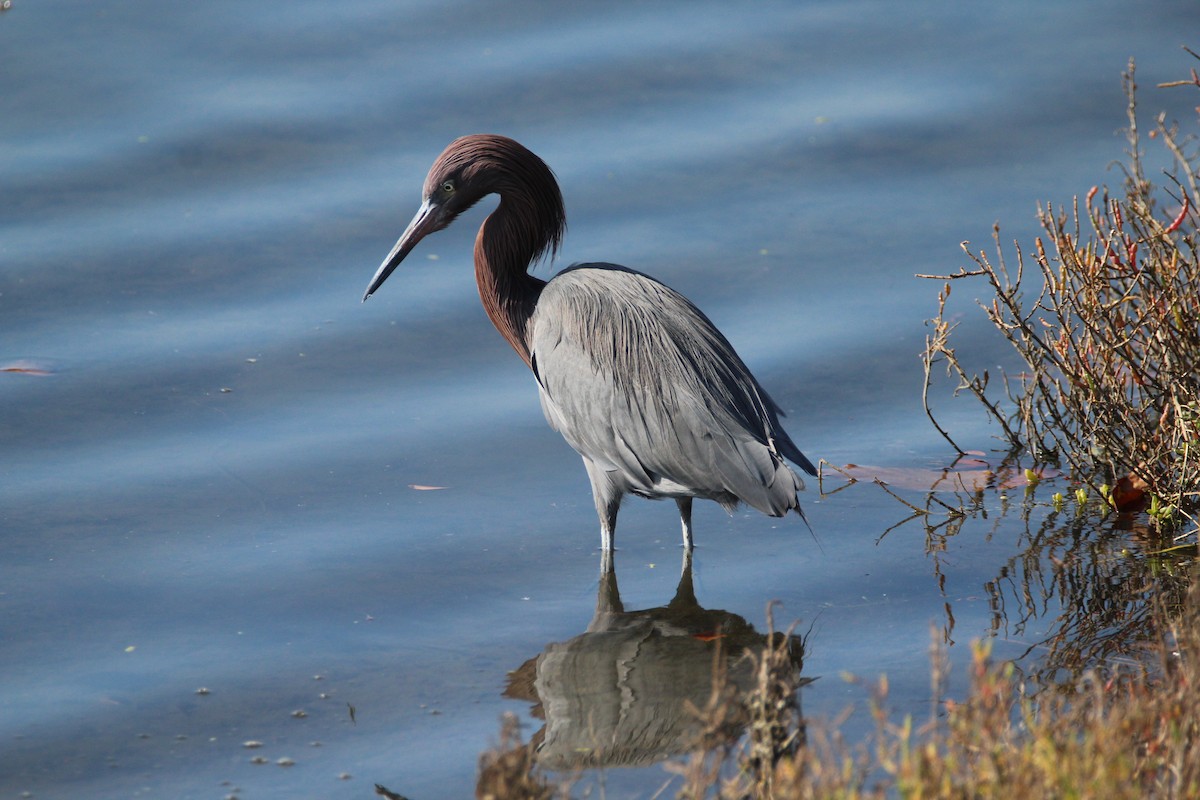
(504, 250)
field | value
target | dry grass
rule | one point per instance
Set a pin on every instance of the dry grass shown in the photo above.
(1126, 734)
(770, 715)
(1130, 735)
(1106, 323)
(509, 771)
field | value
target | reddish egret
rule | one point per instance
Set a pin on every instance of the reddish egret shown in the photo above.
(636, 379)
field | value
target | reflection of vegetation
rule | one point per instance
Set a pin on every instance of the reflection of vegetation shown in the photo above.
(1109, 344)
(1127, 734)
(1124, 735)
(1100, 580)
(1111, 591)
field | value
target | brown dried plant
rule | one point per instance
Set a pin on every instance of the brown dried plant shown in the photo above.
(1107, 328)
(769, 715)
(1132, 732)
(510, 771)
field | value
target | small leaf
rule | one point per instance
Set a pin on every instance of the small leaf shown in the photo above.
(26, 366)
(1129, 494)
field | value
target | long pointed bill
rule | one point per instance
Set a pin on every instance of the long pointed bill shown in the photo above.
(424, 223)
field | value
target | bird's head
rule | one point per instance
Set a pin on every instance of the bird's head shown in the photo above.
(470, 168)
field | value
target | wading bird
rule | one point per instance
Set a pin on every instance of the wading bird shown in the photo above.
(637, 380)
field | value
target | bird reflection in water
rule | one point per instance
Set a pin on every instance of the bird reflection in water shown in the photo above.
(628, 690)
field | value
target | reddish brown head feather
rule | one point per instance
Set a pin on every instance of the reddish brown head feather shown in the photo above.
(483, 164)
(528, 224)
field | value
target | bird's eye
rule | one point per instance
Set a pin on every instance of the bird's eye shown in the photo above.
(448, 187)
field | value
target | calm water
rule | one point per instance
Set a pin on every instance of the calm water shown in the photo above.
(212, 487)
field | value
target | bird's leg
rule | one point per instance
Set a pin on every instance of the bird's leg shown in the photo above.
(606, 537)
(608, 502)
(606, 508)
(685, 517)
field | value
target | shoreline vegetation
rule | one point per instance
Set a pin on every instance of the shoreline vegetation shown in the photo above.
(1105, 323)
(1103, 314)
(1128, 733)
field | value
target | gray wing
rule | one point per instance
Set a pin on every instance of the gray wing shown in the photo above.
(640, 382)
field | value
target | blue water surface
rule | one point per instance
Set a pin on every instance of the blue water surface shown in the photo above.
(222, 483)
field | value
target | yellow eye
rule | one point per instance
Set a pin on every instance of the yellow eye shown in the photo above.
(448, 187)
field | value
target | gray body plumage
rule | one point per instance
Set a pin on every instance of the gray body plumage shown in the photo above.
(646, 389)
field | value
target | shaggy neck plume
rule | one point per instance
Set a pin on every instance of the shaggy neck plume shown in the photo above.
(527, 224)
(508, 292)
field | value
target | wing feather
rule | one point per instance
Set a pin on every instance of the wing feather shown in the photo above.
(639, 381)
